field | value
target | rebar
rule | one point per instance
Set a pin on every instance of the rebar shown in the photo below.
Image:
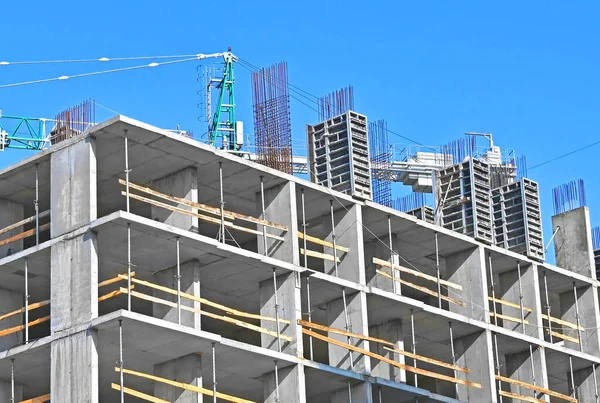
(568, 196)
(411, 201)
(73, 121)
(380, 157)
(336, 103)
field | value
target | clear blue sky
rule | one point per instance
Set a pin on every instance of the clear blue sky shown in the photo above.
(525, 71)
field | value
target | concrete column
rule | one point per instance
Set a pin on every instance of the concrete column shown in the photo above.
(183, 184)
(357, 323)
(349, 233)
(280, 207)
(10, 213)
(585, 388)
(361, 392)
(508, 290)
(587, 301)
(5, 391)
(292, 385)
(74, 369)
(11, 301)
(474, 351)
(73, 187)
(376, 248)
(520, 366)
(290, 308)
(188, 370)
(467, 268)
(73, 282)
(573, 242)
(189, 283)
(390, 331)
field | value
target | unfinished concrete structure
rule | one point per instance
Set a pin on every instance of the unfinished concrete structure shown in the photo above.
(156, 268)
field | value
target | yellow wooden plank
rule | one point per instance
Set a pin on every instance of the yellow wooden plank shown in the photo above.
(429, 360)
(563, 322)
(408, 368)
(15, 329)
(507, 303)
(312, 325)
(204, 301)
(521, 397)
(318, 255)
(423, 289)
(536, 388)
(416, 273)
(114, 280)
(321, 242)
(39, 399)
(22, 235)
(184, 386)
(563, 336)
(137, 394)
(30, 307)
(508, 318)
(205, 313)
(112, 294)
(23, 222)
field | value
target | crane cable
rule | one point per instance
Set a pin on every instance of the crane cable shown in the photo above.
(100, 59)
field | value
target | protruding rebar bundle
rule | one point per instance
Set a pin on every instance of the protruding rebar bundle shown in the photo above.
(336, 103)
(568, 196)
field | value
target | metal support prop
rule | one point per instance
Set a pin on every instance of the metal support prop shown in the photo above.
(573, 388)
(264, 214)
(222, 203)
(379, 394)
(276, 310)
(26, 303)
(129, 266)
(414, 342)
(532, 368)
(437, 269)
(349, 392)
(127, 170)
(276, 382)
(548, 306)
(36, 204)
(178, 278)
(453, 355)
(122, 384)
(333, 240)
(492, 288)
(396, 285)
(347, 320)
(595, 382)
(577, 317)
(310, 339)
(214, 373)
(497, 365)
(304, 233)
(521, 298)
(12, 380)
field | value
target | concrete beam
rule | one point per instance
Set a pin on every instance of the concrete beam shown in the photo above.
(573, 242)
(474, 351)
(390, 331)
(292, 385)
(187, 369)
(467, 268)
(183, 184)
(11, 213)
(527, 367)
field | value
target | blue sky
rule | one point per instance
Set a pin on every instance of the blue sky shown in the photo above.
(525, 71)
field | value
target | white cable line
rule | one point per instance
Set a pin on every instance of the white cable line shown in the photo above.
(101, 59)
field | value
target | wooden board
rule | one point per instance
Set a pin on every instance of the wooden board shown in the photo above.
(521, 397)
(429, 360)
(184, 386)
(22, 235)
(563, 322)
(508, 318)
(507, 303)
(563, 336)
(423, 289)
(312, 325)
(15, 329)
(23, 222)
(116, 279)
(30, 307)
(318, 255)
(137, 394)
(205, 313)
(203, 217)
(321, 242)
(205, 207)
(408, 368)
(112, 294)
(416, 273)
(536, 388)
(39, 399)
(204, 301)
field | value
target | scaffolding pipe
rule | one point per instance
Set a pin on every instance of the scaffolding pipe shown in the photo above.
(304, 235)
(437, 269)
(126, 170)
(577, 317)
(222, 203)
(214, 373)
(333, 240)
(36, 204)
(548, 307)
(122, 383)
(497, 365)
(397, 287)
(453, 355)
(276, 382)
(595, 382)
(532, 368)
(264, 214)
(12, 380)
(349, 392)
(276, 310)
(521, 298)
(26, 302)
(347, 320)
(379, 394)
(129, 266)
(414, 342)
(178, 277)
(310, 339)
(572, 376)
(492, 288)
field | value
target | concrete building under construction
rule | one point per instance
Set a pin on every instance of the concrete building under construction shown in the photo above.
(140, 265)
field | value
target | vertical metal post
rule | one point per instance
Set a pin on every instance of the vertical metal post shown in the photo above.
(178, 283)
(521, 298)
(276, 310)
(396, 285)
(577, 317)
(548, 306)
(26, 302)
(349, 392)
(12, 380)
(36, 204)
(347, 319)
(437, 269)
(492, 288)
(333, 240)
(129, 266)
(214, 373)
(379, 394)
(304, 240)
(497, 365)
(121, 361)
(126, 170)
(264, 215)
(414, 342)
(532, 368)
(310, 340)
(222, 203)
(453, 355)
(595, 382)
(573, 388)
(276, 382)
